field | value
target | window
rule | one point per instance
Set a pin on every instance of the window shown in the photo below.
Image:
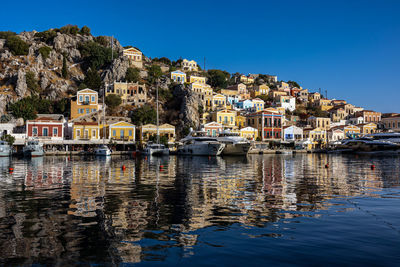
(45, 131)
(78, 133)
(87, 98)
(114, 132)
(55, 131)
(34, 131)
(80, 98)
(93, 133)
(88, 110)
(122, 133)
(93, 98)
(130, 133)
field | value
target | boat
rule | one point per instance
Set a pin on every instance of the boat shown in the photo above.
(367, 144)
(102, 150)
(5, 149)
(390, 137)
(33, 148)
(156, 149)
(234, 144)
(197, 145)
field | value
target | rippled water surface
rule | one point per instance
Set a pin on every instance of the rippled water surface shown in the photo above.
(256, 210)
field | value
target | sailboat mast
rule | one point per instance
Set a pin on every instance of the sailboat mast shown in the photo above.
(158, 131)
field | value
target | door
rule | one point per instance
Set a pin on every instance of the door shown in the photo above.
(45, 132)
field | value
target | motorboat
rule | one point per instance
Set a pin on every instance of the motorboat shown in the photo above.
(33, 148)
(367, 144)
(234, 144)
(390, 137)
(153, 149)
(198, 145)
(102, 150)
(5, 149)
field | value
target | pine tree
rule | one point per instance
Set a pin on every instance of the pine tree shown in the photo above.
(64, 71)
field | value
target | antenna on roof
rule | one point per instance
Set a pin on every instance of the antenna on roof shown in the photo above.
(204, 64)
(326, 94)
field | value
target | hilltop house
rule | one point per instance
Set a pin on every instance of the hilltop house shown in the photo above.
(178, 76)
(85, 102)
(135, 57)
(189, 65)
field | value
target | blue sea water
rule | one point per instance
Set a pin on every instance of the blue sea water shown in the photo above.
(254, 210)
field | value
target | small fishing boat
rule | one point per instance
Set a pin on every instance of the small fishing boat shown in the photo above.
(102, 150)
(33, 148)
(5, 149)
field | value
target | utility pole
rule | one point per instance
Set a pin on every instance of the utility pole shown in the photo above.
(326, 94)
(204, 66)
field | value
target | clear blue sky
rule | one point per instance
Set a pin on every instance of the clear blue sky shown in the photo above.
(350, 48)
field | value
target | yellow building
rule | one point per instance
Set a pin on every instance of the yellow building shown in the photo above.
(85, 102)
(148, 130)
(197, 79)
(262, 89)
(229, 92)
(319, 122)
(324, 104)
(313, 97)
(240, 121)
(249, 133)
(317, 136)
(121, 131)
(367, 128)
(135, 56)
(189, 65)
(226, 117)
(178, 76)
(258, 104)
(218, 101)
(130, 93)
(86, 131)
(276, 95)
(208, 97)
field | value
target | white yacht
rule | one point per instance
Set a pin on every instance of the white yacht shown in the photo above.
(5, 149)
(102, 150)
(33, 148)
(153, 149)
(390, 137)
(234, 144)
(198, 145)
(367, 144)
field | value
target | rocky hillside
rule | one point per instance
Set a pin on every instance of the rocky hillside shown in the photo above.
(32, 62)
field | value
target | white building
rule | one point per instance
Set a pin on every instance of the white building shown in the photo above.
(292, 133)
(335, 135)
(355, 121)
(288, 102)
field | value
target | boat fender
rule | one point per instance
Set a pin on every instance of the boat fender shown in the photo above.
(11, 170)
(327, 166)
(372, 167)
(123, 167)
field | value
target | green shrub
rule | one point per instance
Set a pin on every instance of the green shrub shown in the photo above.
(85, 30)
(17, 46)
(47, 36)
(45, 51)
(92, 79)
(144, 115)
(70, 29)
(31, 81)
(95, 55)
(64, 70)
(132, 75)
(28, 107)
(113, 101)
(5, 35)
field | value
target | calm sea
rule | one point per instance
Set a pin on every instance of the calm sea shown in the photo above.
(241, 211)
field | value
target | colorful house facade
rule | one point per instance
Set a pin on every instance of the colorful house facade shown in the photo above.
(86, 131)
(85, 102)
(135, 57)
(268, 123)
(46, 126)
(121, 131)
(178, 76)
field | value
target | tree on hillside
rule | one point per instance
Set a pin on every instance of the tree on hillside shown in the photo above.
(113, 101)
(96, 55)
(154, 72)
(132, 75)
(85, 30)
(218, 78)
(17, 46)
(64, 70)
(92, 79)
(144, 115)
(32, 82)
(293, 84)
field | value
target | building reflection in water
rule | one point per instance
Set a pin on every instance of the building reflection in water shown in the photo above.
(57, 208)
